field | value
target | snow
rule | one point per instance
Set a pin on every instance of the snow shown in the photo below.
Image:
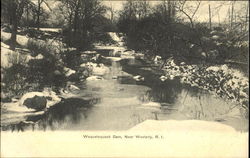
(114, 36)
(89, 52)
(152, 104)
(163, 78)
(6, 54)
(22, 40)
(69, 71)
(215, 37)
(16, 108)
(186, 125)
(138, 78)
(157, 59)
(51, 29)
(5, 45)
(100, 71)
(94, 78)
(73, 87)
(114, 58)
(97, 69)
(5, 36)
(39, 56)
(46, 93)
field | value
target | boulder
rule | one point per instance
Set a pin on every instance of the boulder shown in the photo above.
(36, 102)
(39, 100)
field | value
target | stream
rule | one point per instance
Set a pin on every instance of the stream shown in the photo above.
(120, 101)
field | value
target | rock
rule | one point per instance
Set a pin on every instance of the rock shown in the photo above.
(203, 54)
(115, 53)
(157, 59)
(214, 32)
(89, 52)
(36, 102)
(68, 71)
(94, 78)
(39, 100)
(163, 78)
(100, 70)
(4, 97)
(139, 55)
(182, 63)
(138, 78)
(97, 58)
(215, 37)
(73, 87)
(57, 72)
(39, 56)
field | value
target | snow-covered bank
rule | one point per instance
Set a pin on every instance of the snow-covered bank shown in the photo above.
(186, 125)
(22, 40)
(15, 112)
(220, 80)
(8, 57)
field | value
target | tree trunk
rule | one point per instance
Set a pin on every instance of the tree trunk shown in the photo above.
(38, 15)
(232, 15)
(13, 27)
(210, 20)
(247, 10)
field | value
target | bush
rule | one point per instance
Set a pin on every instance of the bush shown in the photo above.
(45, 72)
(14, 79)
(72, 59)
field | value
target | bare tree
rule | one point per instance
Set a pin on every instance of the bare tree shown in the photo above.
(81, 15)
(39, 11)
(14, 10)
(143, 9)
(188, 11)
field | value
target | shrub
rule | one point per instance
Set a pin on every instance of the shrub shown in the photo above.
(14, 79)
(45, 72)
(220, 80)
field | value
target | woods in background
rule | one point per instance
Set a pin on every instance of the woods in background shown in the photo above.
(169, 29)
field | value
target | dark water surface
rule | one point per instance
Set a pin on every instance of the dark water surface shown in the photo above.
(119, 102)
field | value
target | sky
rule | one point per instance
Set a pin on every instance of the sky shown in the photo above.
(219, 9)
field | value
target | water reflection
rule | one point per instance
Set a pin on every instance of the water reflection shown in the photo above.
(119, 102)
(68, 111)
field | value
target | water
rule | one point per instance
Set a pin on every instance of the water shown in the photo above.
(119, 102)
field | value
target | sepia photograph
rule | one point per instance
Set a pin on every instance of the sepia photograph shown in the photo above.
(168, 77)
